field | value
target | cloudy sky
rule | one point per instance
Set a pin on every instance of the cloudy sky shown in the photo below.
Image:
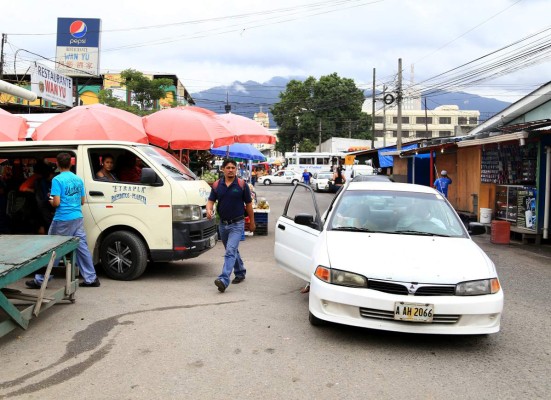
(212, 42)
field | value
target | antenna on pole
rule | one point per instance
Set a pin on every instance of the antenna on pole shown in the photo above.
(227, 107)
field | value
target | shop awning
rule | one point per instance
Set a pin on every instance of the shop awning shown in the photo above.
(494, 139)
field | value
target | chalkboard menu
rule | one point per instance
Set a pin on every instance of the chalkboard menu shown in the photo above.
(526, 212)
(509, 164)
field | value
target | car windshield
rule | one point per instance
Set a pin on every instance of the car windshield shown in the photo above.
(395, 212)
(325, 176)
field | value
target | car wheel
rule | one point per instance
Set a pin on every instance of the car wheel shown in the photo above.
(267, 182)
(123, 256)
(294, 182)
(315, 320)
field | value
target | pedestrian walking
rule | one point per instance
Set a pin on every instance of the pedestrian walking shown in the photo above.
(306, 177)
(68, 196)
(442, 183)
(233, 197)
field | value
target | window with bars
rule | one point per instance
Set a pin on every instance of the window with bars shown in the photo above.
(444, 133)
(445, 120)
(379, 120)
(405, 120)
(423, 134)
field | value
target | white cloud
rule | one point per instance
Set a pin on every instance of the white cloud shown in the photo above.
(435, 35)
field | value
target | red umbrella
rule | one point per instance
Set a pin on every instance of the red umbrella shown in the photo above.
(12, 127)
(245, 129)
(192, 128)
(93, 122)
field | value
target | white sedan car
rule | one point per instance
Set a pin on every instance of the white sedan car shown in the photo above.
(320, 181)
(389, 256)
(281, 177)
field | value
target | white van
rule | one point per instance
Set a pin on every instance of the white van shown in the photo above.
(359, 169)
(157, 214)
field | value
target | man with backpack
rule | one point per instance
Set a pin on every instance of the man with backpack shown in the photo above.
(233, 196)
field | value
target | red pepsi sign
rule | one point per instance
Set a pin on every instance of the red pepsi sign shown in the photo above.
(78, 32)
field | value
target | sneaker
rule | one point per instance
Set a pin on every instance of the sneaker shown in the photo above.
(238, 279)
(220, 285)
(32, 284)
(96, 283)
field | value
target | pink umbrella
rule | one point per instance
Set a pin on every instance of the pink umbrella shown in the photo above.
(93, 122)
(192, 128)
(12, 127)
(245, 129)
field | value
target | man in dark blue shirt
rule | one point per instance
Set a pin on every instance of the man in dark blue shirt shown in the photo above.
(442, 183)
(233, 195)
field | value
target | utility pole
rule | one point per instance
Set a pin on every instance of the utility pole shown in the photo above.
(373, 112)
(426, 123)
(349, 129)
(4, 40)
(319, 135)
(399, 103)
(384, 117)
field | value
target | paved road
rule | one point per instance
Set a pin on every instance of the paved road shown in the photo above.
(172, 335)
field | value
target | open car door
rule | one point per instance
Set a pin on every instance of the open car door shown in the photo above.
(297, 232)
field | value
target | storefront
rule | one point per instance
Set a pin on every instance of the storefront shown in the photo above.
(512, 180)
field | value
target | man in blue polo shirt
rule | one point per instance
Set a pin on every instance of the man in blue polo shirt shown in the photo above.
(233, 195)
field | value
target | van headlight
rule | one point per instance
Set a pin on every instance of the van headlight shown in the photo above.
(186, 213)
(477, 288)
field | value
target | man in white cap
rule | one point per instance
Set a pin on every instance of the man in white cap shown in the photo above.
(442, 183)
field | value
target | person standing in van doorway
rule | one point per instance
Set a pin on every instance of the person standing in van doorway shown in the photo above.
(232, 195)
(68, 197)
(442, 183)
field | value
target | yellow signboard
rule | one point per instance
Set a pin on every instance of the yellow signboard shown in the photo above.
(349, 160)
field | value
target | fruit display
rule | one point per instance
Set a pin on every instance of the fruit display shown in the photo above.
(262, 204)
(209, 177)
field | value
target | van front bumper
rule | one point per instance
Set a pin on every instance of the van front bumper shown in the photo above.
(190, 239)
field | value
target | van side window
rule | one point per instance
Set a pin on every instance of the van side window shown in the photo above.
(116, 165)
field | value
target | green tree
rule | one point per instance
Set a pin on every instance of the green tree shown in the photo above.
(105, 96)
(333, 101)
(144, 90)
(307, 146)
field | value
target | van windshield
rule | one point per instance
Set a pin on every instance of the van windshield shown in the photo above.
(169, 163)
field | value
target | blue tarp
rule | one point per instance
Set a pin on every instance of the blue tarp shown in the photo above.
(388, 161)
(239, 150)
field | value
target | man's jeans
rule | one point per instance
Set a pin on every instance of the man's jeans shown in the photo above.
(231, 236)
(84, 261)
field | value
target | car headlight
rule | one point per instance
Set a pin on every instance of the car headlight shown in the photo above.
(190, 212)
(341, 278)
(477, 288)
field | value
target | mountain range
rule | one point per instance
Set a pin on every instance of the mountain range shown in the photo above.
(247, 98)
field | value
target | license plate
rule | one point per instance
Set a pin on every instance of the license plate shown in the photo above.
(212, 241)
(413, 312)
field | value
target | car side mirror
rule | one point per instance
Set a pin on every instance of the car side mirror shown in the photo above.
(306, 220)
(149, 177)
(476, 228)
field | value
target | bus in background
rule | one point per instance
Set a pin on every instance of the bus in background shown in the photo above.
(312, 162)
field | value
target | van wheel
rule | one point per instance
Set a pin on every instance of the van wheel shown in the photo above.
(123, 256)
(267, 182)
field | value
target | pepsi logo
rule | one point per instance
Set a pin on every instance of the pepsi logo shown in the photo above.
(78, 29)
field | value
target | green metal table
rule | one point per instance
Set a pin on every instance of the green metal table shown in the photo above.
(21, 255)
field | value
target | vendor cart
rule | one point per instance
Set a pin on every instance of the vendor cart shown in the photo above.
(21, 255)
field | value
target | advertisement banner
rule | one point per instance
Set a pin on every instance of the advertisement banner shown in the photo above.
(51, 85)
(78, 46)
